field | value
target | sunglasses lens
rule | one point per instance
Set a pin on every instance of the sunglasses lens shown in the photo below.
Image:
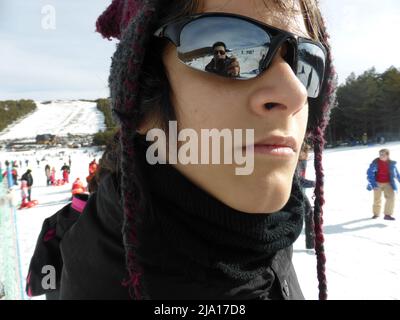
(241, 46)
(311, 67)
(237, 48)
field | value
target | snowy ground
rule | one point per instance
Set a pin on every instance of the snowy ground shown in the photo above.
(363, 255)
(59, 118)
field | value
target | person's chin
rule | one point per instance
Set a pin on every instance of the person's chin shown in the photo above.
(262, 196)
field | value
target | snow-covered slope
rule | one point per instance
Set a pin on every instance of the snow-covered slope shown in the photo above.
(59, 118)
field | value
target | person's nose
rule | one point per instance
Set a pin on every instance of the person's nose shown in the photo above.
(277, 90)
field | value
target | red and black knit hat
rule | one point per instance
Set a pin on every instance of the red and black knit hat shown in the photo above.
(132, 22)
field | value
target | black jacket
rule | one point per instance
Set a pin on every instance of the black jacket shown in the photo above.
(47, 250)
(28, 178)
(220, 67)
(93, 261)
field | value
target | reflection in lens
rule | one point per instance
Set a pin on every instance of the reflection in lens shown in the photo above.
(311, 67)
(244, 43)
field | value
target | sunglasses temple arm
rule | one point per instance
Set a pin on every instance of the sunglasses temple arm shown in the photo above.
(159, 32)
(167, 33)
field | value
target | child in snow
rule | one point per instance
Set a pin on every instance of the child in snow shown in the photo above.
(381, 176)
(65, 172)
(47, 172)
(24, 193)
(27, 176)
(53, 176)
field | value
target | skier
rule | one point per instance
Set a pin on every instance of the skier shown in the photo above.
(381, 176)
(65, 172)
(27, 176)
(69, 161)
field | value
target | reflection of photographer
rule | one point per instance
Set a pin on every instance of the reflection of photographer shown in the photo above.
(222, 64)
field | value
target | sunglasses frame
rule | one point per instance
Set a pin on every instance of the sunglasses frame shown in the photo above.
(172, 31)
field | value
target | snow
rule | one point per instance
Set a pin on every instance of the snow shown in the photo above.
(363, 255)
(51, 198)
(58, 118)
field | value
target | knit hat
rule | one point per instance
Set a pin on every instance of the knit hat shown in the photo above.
(133, 22)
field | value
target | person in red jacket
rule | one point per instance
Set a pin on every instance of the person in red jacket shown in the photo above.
(78, 187)
(65, 172)
(381, 176)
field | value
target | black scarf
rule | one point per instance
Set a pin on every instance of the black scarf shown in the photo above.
(192, 246)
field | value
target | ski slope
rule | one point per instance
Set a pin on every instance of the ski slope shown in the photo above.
(363, 255)
(58, 118)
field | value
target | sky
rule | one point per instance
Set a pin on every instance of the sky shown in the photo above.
(71, 61)
(364, 34)
(49, 49)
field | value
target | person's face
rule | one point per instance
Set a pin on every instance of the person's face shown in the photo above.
(383, 156)
(219, 52)
(206, 101)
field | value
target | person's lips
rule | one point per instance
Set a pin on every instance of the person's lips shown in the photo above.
(276, 146)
